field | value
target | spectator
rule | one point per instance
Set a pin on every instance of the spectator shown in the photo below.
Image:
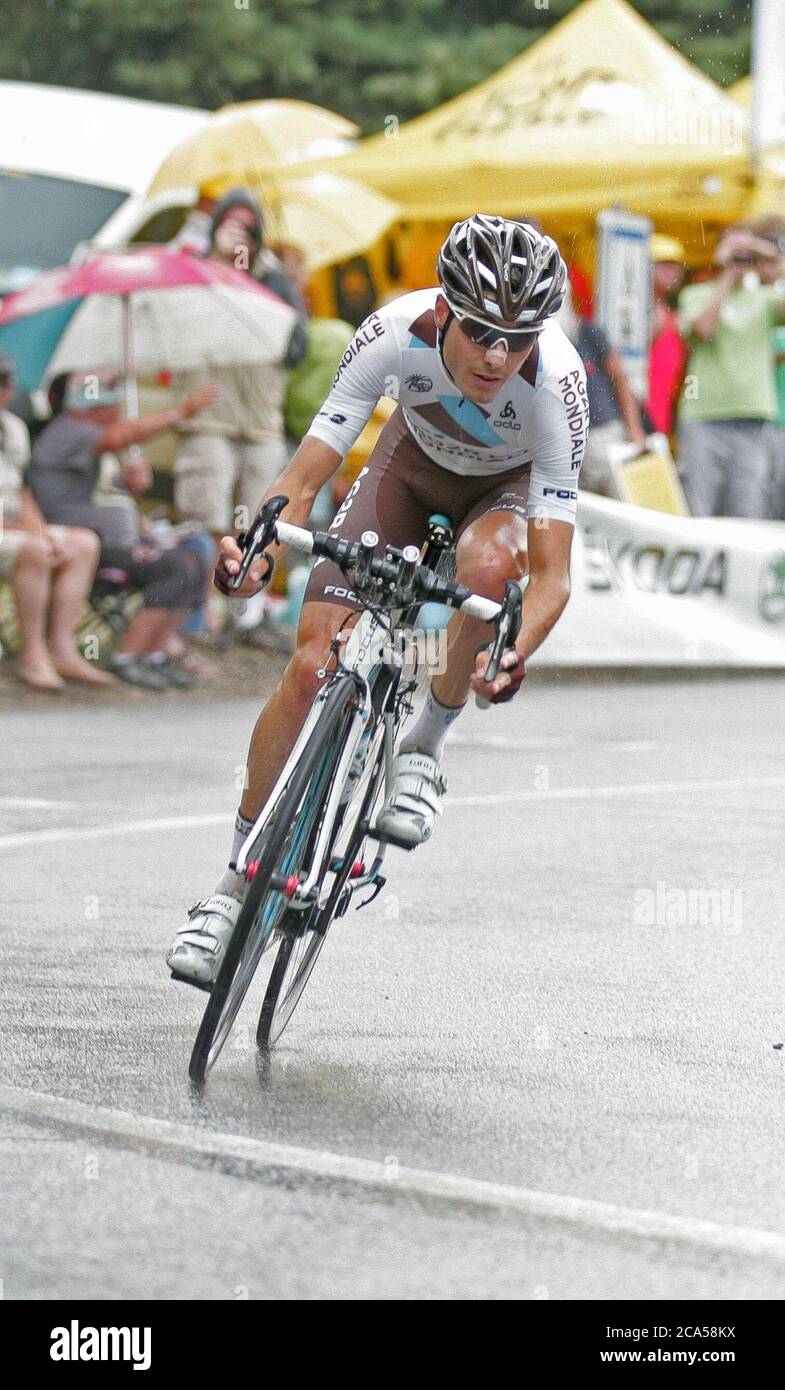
(56, 393)
(668, 352)
(63, 476)
(614, 413)
(772, 229)
(294, 287)
(238, 444)
(50, 568)
(729, 393)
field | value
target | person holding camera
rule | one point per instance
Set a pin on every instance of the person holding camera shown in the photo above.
(729, 393)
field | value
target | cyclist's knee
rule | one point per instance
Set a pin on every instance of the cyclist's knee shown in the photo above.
(300, 680)
(486, 559)
(316, 631)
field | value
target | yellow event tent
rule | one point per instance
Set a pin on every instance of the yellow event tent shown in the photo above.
(741, 92)
(768, 194)
(600, 110)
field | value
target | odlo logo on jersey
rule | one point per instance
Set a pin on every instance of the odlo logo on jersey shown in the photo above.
(508, 419)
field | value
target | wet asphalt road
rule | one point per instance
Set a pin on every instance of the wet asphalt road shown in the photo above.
(534, 1001)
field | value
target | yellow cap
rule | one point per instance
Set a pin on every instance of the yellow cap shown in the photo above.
(667, 248)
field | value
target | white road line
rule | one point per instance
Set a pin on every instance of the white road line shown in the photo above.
(35, 803)
(623, 789)
(164, 1138)
(105, 832)
(482, 740)
(631, 745)
(141, 827)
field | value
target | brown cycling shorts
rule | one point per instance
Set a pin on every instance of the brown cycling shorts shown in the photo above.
(397, 491)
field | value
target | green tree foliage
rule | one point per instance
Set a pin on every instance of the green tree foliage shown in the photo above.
(365, 58)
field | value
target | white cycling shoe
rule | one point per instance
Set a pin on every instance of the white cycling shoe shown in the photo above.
(197, 951)
(408, 816)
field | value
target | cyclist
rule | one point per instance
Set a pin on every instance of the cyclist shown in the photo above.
(490, 429)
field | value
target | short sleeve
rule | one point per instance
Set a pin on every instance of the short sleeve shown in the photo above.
(560, 429)
(368, 370)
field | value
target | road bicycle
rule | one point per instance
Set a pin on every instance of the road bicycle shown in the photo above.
(315, 845)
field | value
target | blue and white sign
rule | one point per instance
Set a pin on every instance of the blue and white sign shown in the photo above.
(623, 292)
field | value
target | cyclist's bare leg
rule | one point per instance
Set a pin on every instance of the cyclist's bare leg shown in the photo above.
(197, 950)
(490, 551)
(285, 712)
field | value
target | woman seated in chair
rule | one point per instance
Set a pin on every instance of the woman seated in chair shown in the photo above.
(63, 477)
(50, 568)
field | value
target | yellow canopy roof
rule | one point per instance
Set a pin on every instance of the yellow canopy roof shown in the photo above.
(599, 110)
(741, 92)
(768, 194)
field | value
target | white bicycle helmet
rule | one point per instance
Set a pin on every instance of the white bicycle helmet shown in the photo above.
(501, 272)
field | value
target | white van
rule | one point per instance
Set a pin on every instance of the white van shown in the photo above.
(74, 167)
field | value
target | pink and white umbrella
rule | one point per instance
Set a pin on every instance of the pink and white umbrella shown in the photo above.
(142, 311)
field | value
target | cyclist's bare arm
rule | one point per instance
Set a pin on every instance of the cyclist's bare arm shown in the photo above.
(545, 597)
(548, 589)
(312, 466)
(363, 376)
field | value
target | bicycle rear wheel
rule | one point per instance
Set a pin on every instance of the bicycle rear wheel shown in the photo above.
(284, 850)
(296, 958)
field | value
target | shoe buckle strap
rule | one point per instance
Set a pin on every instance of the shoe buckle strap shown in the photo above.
(417, 791)
(202, 940)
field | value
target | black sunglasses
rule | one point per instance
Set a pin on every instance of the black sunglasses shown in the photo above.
(485, 336)
(7, 379)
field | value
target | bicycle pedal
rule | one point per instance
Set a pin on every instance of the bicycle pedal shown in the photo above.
(385, 839)
(195, 984)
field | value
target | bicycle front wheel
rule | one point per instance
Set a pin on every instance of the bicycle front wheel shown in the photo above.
(303, 935)
(284, 851)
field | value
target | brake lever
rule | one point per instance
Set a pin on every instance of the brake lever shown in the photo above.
(508, 625)
(261, 531)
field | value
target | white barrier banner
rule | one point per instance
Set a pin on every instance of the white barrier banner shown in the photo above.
(650, 589)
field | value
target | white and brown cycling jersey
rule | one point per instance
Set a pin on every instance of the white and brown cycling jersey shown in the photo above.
(540, 416)
(441, 452)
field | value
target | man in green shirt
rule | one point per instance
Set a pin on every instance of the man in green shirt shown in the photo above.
(729, 390)
(776, 430)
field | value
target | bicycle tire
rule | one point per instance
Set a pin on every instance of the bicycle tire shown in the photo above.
(279, 1002)
(326, 738)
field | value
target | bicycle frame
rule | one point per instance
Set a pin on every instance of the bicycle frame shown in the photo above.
(366, 648)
